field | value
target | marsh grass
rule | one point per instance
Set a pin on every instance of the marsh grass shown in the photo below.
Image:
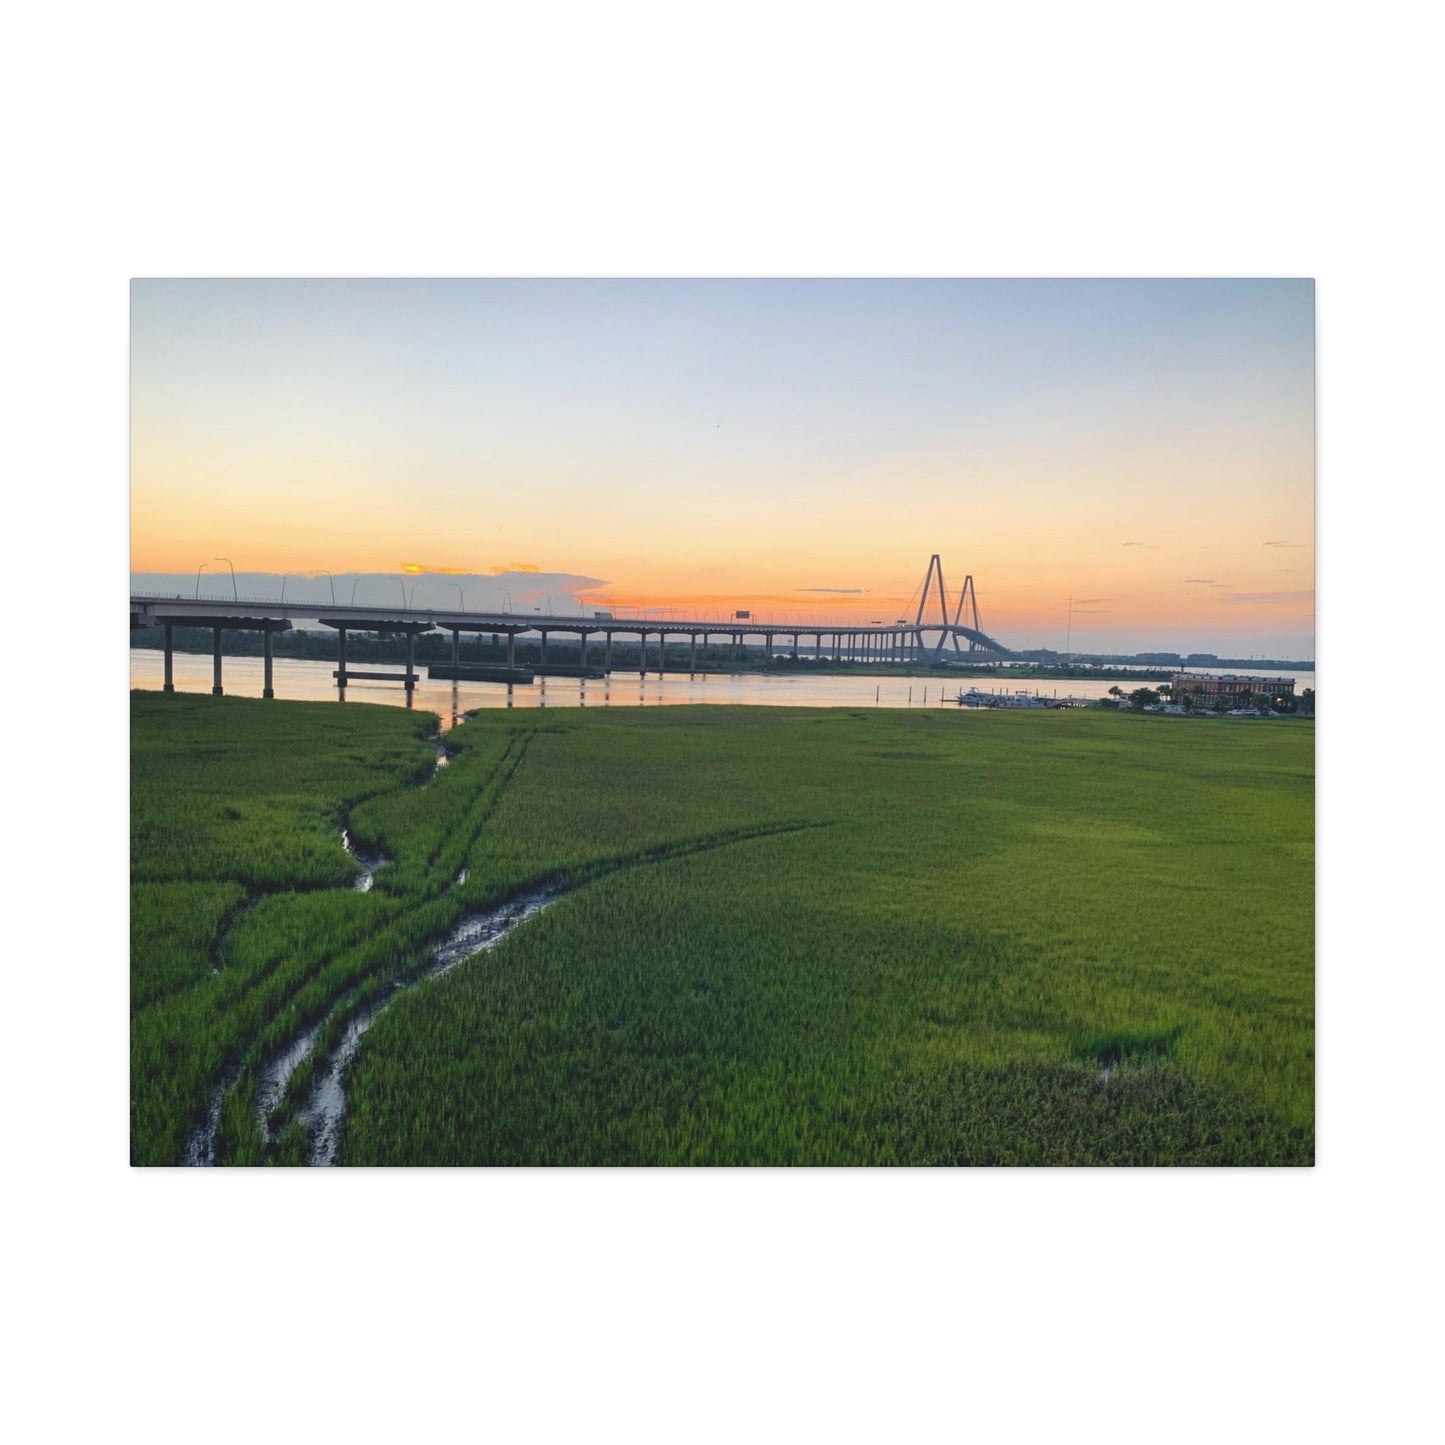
(791, 936)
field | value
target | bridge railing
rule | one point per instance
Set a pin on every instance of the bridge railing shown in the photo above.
(308, 607)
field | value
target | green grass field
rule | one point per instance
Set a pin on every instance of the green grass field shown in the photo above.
(787, 937)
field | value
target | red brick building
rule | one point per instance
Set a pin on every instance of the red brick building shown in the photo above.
(1238, 689)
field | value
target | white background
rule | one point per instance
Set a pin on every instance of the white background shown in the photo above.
(649, 139)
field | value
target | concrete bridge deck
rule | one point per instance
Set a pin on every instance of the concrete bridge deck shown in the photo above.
(900, 641)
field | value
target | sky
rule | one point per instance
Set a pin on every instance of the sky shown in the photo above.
(795, 448)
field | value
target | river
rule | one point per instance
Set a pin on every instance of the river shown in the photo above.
(309, 679)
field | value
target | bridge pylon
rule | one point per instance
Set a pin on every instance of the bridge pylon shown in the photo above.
(947, 626)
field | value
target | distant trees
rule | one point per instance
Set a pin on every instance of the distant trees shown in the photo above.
(1141, 698)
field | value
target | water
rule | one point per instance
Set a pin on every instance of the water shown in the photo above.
(309, 679)
(324, 1111)
(370, 862)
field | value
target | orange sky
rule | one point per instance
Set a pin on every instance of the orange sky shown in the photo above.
(1145, 447)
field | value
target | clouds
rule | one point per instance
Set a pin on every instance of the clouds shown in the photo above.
(829, 589)
(1148, 546)
(417, 569)
(419, 585)
(1273, 599)
(1205, 582)
(1282, 544)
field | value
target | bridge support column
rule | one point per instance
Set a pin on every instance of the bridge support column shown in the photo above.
(410, 659)
(583, 634)
(456, 646)
(607, 652)
(215, 662)
(641, 654)
(544, 647)
(266, 689)
(169, 685)
(692, 662)
(511, 650)
(341, 659)
(661, 653)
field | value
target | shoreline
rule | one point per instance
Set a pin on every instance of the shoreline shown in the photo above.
(1001, 673)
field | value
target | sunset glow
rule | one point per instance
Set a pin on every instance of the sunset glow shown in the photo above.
(798, 448)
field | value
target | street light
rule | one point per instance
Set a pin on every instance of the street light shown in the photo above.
(333, 585)
(284, 576)
(402, 585)
(234, 594)
(198, 577)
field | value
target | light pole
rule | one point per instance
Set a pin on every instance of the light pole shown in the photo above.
(284, 576)
(461, 597)
(507, 606)
(333, 585)
(199, 570)
(236, 596)
(402, 585)
(362, 577)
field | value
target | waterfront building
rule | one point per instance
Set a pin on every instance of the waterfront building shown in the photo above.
(1237, 689)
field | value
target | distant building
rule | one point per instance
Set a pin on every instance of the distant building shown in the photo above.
(1235, 689)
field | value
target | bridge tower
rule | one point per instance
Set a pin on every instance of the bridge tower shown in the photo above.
(968, 595)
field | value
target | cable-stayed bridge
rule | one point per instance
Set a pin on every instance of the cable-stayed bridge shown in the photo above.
(922, 638)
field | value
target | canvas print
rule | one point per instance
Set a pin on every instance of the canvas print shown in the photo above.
(722, 722)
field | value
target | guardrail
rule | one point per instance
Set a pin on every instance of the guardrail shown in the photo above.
(309, 607)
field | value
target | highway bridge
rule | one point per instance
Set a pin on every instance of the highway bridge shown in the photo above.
(903, 640)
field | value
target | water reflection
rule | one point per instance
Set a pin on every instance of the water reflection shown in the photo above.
(306, 679)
